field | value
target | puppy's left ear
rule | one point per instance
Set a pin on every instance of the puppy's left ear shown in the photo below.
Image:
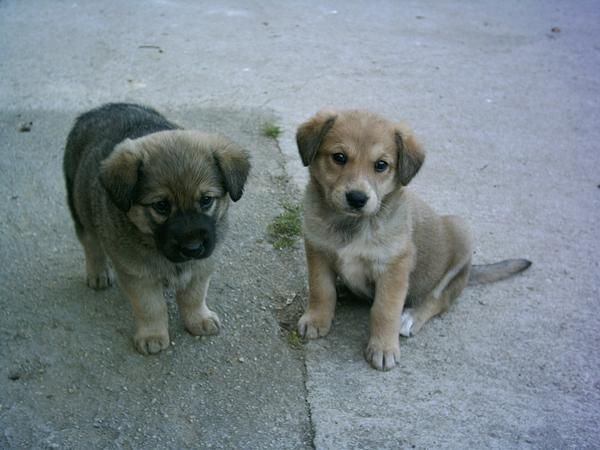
(410, 155)
(120, 172)
(234, 165)
(311, 133)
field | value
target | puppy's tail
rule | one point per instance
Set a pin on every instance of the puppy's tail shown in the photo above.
(488, 273)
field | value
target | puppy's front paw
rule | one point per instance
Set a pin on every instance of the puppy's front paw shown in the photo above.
(381, 355)
(149, 342)
(100, 279)
(206, 324)
(312, 326)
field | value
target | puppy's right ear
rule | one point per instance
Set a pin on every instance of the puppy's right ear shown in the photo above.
(311, 133)
(120, 172)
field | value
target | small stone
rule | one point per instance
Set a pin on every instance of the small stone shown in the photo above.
(25, 127)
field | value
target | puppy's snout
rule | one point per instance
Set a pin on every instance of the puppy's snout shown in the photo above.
(195, 243)
(356, 199)
(187, 236)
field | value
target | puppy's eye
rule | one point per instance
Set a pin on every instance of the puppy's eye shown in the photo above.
(381, 166)
(339, 158)
(206, 202)
(162, 207)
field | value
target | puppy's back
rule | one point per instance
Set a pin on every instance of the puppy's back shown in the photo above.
(100, 129)
(111, 123)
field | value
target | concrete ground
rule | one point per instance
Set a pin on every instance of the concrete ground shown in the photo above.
(505, 97)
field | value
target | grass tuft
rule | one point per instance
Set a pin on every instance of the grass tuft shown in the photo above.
(286, 227)
(271, 130)
(294, 339)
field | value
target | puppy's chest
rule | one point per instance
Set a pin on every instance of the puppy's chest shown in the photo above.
(361, 262)
(178, 279)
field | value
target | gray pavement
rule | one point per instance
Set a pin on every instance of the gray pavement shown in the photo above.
(505, 97)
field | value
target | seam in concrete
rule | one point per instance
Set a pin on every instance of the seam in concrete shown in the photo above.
(308, 405)
(312, 430)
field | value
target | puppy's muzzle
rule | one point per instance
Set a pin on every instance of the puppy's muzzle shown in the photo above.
(187, 236)
(356, 199)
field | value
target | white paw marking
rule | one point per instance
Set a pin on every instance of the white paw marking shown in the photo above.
(408, 321)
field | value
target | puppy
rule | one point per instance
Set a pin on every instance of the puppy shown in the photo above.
(152, 199)
(362, 226)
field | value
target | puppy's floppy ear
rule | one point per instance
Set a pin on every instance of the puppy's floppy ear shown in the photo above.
(311, 133)
(410, 155)
(234, 165)
(120, 172)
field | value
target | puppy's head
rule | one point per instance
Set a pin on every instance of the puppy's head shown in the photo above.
(175, 186)
(357, 158)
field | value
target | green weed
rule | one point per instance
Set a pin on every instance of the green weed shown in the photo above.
(294, 339)
(286, 227)
(271, 130)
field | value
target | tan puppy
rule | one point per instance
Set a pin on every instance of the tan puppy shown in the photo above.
(381, 240)
(150, 201)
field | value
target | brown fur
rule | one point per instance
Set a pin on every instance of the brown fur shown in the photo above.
(113, 195)
(363, 226)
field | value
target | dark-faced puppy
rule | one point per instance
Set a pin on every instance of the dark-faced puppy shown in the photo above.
(362, 226)
(151, 199)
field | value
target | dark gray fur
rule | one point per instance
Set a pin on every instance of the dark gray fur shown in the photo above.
(99, 130)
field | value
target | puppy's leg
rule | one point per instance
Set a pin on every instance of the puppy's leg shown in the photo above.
(383, 349)
(452, 283)
(98, 271)
(316, 320)
(437, 302)
(150, 313)
(199, 320)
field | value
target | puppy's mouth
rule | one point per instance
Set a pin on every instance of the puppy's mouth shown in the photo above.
(349, 212)
(355, 213)
(193, 249)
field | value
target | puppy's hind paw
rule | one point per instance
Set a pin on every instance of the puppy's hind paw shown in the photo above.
(407, 323)
(312, 327)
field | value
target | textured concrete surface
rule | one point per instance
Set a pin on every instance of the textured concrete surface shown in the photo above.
(70, 376)
(505, 97)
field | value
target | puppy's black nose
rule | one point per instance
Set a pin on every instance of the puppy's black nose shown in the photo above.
(357, 199)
